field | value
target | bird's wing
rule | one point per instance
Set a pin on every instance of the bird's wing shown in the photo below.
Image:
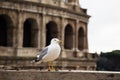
(42, 53)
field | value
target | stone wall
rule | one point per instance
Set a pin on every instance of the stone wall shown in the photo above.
(27, 26)
(60, 75)
(20, 14)
(24, 63)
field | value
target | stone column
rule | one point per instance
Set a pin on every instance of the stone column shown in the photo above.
(39, 31)
(15, 32)
(20, 31)
(76, 38)
(63, 54)
(86, 40)
(77, 27)
(43, 34)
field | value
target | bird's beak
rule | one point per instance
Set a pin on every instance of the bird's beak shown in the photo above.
(59, 41)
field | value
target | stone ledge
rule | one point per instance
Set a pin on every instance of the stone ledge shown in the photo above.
(59, 75)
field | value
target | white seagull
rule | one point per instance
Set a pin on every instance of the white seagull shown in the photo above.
(50, 53)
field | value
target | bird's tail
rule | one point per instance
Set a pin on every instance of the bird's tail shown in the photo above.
(36, 61)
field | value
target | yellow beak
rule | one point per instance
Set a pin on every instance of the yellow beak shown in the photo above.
(59, 42)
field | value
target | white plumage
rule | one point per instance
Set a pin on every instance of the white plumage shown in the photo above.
(53, 51)
(49, 53)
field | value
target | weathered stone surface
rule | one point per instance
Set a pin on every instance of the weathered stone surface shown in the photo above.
(27, 26)
(18, 13)
(59, 75)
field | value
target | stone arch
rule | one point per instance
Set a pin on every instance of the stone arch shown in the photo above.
(51, 31)
(6, 31)
(81, 35)
(30, 33)
(68, 38)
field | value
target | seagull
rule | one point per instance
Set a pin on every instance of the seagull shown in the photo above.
(49, 53)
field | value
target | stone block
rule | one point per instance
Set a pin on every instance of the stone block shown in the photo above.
(58, 75)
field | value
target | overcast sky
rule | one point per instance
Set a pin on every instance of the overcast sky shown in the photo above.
(104, 24)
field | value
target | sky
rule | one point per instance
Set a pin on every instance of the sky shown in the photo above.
(104, 24)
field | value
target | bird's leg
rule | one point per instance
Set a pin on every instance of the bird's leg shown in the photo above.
(49, 66)
(52, 66)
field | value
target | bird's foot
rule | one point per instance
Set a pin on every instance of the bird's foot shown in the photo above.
(51, 69)
(50, 66)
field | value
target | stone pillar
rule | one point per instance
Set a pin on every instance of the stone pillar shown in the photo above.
(20, 31)
(77, 27)
(63, 54)
(86, 40)
(43, 34)
(39, 31)
(76, 38)
(15, 35)
(15, 32)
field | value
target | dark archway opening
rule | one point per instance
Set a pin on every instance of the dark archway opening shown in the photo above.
(30, 33)
(81, 39)
(6, 31)
(68, 40)
(51, 31)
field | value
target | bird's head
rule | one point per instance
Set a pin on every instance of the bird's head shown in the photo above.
(56, 40)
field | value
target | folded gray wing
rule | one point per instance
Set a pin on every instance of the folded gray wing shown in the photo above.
(43, 53)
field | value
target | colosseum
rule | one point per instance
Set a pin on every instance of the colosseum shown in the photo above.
(27, 26)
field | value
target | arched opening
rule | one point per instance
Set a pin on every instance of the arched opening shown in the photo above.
(51, 31)
(6, 31)
(81, 39)
(68, 40)
(30, 33)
